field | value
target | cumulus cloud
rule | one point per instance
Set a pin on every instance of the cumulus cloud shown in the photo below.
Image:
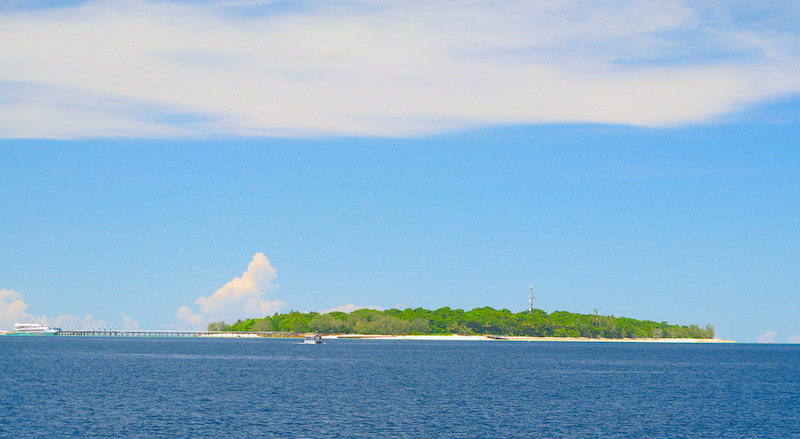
(242, 297)
(13, 310)
(767, 337)
(350, 308)
(794, 338)
(127, 322)
(186, 316)
(386, 67)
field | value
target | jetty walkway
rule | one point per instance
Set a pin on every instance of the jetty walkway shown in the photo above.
(160, 333)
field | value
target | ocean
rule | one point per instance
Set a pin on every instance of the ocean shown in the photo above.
(74, 387)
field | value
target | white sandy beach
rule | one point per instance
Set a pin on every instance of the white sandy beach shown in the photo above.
(516, 338)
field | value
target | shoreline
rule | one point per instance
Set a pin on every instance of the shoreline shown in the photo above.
(519, 338)
(451, 337)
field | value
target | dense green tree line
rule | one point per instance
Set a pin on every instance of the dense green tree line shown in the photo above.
(484, 320)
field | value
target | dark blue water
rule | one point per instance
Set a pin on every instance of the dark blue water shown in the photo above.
(69, 387)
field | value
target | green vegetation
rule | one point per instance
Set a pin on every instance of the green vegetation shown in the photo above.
(481, 321)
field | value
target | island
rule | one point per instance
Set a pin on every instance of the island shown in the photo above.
(485, 322)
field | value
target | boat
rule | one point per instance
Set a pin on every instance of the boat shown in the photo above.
(312, 339)
(34, 329)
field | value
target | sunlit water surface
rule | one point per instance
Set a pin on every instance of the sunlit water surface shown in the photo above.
(70, 387)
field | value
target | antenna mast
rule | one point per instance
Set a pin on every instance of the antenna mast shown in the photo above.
(530, 299)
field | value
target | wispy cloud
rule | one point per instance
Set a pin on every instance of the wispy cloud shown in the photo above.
(767, 337)
(794, 338)
(349, 308)
(384, 68)
(242, 297)
(74, 322)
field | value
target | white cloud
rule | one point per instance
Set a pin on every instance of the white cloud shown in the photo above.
(767, 337)
(88, 321)
(384, 68)
(242, 297)
(794, 338)
(186, 316)
(13, 310)
(127, 322)
(350, 308)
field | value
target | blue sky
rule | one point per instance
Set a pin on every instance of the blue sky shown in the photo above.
(213, 160)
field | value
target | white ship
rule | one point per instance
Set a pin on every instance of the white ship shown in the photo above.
(34, 329)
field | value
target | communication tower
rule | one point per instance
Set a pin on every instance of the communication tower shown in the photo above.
(530, 299)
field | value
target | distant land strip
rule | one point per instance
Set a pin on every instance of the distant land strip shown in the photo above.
(486, 321)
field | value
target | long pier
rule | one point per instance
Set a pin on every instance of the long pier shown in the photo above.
(159, 333)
